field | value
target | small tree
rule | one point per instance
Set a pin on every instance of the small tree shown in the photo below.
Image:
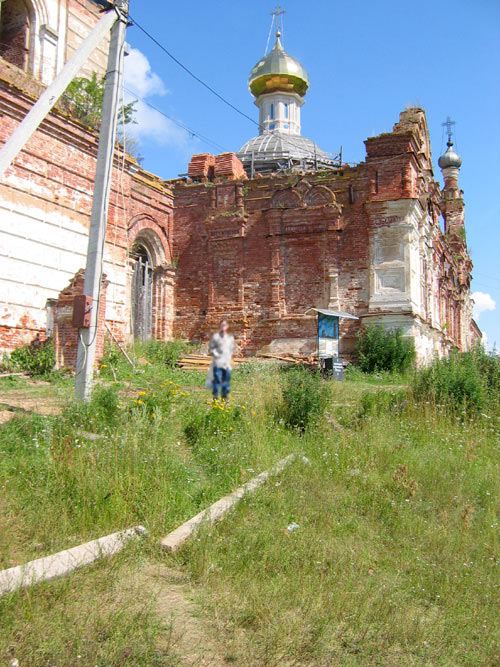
(83, 99)
(380, 349)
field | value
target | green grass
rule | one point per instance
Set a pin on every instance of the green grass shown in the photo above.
(141, 470)
(395, 559)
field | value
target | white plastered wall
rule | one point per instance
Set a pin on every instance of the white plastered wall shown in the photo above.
(402, 277)
(42, 246)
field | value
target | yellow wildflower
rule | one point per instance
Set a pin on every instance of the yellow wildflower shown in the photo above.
(142, 393)
(139, 402)
(243, 407)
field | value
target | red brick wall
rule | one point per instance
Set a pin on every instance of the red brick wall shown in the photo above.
(259, 252)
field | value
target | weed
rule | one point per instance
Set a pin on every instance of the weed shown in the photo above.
(465, 383)
(221, 419)
(303, 398)
(375, 403)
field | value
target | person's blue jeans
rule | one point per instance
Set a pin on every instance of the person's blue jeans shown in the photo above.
(222, 382)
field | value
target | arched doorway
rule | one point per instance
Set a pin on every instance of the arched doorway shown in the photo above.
(15, 32)
(142, 292)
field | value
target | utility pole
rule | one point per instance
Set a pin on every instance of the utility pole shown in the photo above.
(87, 337)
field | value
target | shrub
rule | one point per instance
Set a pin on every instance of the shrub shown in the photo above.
(380, 349)
(33, 360)
(467, 381)
(166, 353)
(303, 398)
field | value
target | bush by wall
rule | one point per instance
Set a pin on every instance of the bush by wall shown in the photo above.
(380, 349)
(34, 360)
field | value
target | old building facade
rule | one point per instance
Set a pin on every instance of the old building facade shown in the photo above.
(46, 199)
(256, 237)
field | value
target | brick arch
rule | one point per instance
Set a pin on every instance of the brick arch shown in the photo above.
(319, 196)
(286, 199)
(18, 25)
(144, 228)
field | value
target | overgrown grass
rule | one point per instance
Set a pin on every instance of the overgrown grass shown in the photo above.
(382, 349)
(378, 546)
(464, 384)
(394, 561)
(105, 616)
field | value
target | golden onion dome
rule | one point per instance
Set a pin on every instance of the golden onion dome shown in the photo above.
(278, 71)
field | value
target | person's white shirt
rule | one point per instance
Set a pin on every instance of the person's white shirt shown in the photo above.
(221, 347)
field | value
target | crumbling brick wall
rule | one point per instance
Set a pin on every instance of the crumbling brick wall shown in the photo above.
(261, 252)
(65, 334)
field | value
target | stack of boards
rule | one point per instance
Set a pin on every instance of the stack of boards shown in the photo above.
(201, 362)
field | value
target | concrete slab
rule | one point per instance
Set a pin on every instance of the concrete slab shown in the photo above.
(174, 540)
(66, 561)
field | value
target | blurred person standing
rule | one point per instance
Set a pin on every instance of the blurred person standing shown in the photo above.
(221, 347)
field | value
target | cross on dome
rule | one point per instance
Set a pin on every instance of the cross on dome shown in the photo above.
(276, 14)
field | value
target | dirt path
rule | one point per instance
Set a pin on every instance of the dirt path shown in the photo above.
(26, 400)
(190, 638)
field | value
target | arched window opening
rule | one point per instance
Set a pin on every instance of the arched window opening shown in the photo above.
(15, 32)
(272, 111)
(142, 293)
(286, 110)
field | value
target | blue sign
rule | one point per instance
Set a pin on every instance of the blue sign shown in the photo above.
(328, 336)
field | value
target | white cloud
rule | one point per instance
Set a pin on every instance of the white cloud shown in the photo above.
(141, 82)
(139, 76)
(482, 303)
(153, 125)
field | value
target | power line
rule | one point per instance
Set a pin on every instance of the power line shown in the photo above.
(187, 129)
(192, 74)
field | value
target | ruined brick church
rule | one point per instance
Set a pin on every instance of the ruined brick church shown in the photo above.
(257, 237)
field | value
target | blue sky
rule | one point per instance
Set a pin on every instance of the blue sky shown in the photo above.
(366, 62)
